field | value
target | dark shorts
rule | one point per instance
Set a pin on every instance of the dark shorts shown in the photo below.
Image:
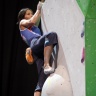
(43, 41)
(38, 51)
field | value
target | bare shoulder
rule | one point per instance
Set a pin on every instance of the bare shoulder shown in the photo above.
(22, 24)
(23, 21)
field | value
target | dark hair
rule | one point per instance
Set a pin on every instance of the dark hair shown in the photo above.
(22, 13)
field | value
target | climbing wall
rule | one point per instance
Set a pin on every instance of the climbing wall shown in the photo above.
(88, 8)
(66, 19)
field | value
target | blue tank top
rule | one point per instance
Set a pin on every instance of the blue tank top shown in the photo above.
(27, 35)
(36, 30)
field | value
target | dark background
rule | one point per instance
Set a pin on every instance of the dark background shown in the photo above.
(17, 78)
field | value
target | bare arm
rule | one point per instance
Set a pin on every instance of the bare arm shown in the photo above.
(32, 20)
(38, 21)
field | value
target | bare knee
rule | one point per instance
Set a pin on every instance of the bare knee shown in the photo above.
(37, 93)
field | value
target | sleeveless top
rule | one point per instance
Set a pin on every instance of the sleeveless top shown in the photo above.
(28, 35)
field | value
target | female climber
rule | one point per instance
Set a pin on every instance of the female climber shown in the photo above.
(39, 45)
